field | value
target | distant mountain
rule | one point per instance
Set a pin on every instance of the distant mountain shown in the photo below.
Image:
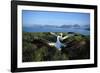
(50, 26)
(76, 26)
(87, 26)
(66, 26)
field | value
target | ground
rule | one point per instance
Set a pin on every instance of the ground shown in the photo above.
(36, 47)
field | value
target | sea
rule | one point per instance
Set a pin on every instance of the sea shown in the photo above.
(55, 29)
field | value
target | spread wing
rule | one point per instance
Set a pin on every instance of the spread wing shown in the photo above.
(65, 37)
(53, 33)
(51, 44)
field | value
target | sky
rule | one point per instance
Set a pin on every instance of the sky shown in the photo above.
(31, 17)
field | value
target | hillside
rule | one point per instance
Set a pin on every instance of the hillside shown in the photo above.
(36, 48)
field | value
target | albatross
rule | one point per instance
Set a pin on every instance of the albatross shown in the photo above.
(58, 43)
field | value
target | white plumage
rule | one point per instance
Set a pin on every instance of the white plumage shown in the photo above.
(58, 44)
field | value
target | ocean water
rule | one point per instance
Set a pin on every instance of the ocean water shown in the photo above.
(54, 29)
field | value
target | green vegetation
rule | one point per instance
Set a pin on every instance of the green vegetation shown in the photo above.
(36, 48)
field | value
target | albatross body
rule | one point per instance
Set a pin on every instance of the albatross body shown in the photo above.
(58, 44)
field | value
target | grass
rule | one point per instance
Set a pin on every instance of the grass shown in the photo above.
(35, 47)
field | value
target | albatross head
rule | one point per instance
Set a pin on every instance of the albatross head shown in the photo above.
(61, 34)
(59, 37)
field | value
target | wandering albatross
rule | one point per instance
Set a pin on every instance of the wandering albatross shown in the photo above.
(58, 43)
